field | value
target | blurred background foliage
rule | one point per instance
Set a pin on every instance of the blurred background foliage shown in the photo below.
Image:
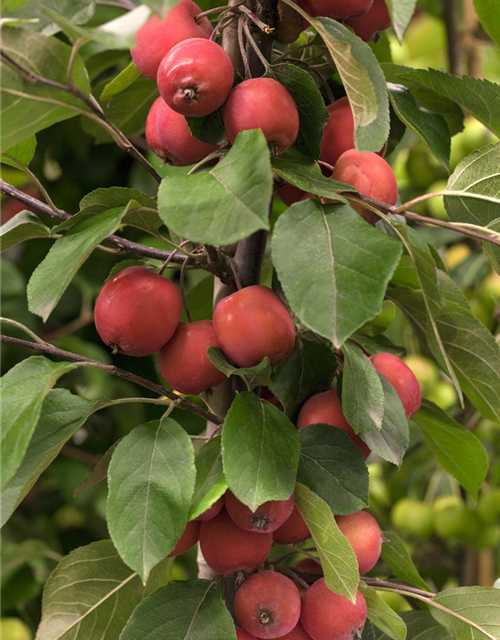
(453, 541)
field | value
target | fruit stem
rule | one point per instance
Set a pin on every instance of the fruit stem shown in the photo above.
(262, 25)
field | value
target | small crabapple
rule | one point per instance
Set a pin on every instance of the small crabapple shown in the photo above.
(212, 511)
(265, 519)
(195, 77)
(325, 408)
(365, 537)
(339, 9)
(155, 38)
(338, 133)
(228, 549)
(402, 379)
(262, 103)
(253, 323)
(137, 311)
(184, 362)
(187, 540)
(369, 25)
(293, 530)
(268, 605)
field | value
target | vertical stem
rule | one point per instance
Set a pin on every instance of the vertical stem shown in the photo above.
(471, 45)
(453, 44)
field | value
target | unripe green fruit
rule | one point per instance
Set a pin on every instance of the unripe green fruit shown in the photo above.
(436, 205)
(443, 394)
(413, 517)
(488, 507)
(14, 629)
(487, 538)
(395, 601)
(454, 522)
(424, 370)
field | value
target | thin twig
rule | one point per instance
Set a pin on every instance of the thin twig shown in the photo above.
(222, 10)
(183, 291)
(116, 371)
(254, 46)
(262, 25)
(243, 51)
(376, 583)
(36, 181)
(232, 264)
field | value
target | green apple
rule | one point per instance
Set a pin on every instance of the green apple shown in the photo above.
(488, 507)
(413, 517)
(452, 520)
(442, 394)
(487, 538)
(435, 205)
(14, 629)
(425, 370)
(395, 601)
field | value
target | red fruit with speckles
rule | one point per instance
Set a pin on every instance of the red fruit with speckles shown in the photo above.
(293, 530)
(263, 103)
(338, 133)
(172, 139)
(253, 323)
(365, 537)
(229, 549)
(377, 19)
(402, 379)
(195, 77)
(155, 38)
(213, 511)
(184, 362)
(137, 311)
(328, 616)
(187, 540)
(266, 519)
(370, 175)
(268, 605)
(325, 408)
(339, 9)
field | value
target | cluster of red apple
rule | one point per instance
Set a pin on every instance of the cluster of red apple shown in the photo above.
(195, 78)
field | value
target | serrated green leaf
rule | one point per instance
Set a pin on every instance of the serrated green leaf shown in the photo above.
(401, 14)
(478, 605)
(487, 10)
(335, 254)
(397, 556)
(120, 82)
(382, 616)
(151, 481)
(23, 152)
(227, 203)
(255, 376)
(78, 11)
(210, 480)
(23, 226)
(339, 563)
(260, 451)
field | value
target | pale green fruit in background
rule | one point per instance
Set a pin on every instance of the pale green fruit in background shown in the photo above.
(425, 371)
(456, 255)
(69, 517)
(395, 601)
(420, 167)
(487, 538)
(14, 629)
(452, 519)
(491, 287)
(474, 136)
(435, 205)
(413, 517)
(442, 394)
(488, 507)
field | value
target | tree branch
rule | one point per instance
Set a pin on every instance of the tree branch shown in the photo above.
(116, 371)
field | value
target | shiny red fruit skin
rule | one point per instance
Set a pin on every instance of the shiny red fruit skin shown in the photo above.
(228, 549)
(195, 77)
(268, 605)
(137, 311)
(365, 537)
(241, 634)
(338, 133)
(293, 530)
(328, 616)
(213, 511)
(262, 103)
(402, 379)
(152, 137)
(339, 9)
(325, 408)
(299, 633)
(187, 540)
(179, 146)
(155, 38)
(184, 362)
(377, 19)
(266, 519)
(253, 323)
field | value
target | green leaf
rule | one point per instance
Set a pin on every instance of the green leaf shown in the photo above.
(458, 451)
(396, 555)
(472, 94)
(362, 393)
(53, 275)
(260, 451)
(383, 320)
(431, 127)
(338, 561)
(422, 626)
(151, 481)
(210, 480)
(492, 251)
(479, 605)
(120, 82)
(78, 11)
(309, 369)
(304, 173)
(90, 594)
(475, 184)
(333, 467)
(23, 152)
(23, 226)
(255, 376)
(62, 414)
(23, 389)
(100, 471)
(208, 129)
(391, 442)
(381, 614)
(28, 107)
(313, 114)
(26, 553)
(401, 15)
(322, 254)
(362, 77)
(189, 610)
(225, 204)
(487, 10)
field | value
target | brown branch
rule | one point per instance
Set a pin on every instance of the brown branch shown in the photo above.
(119, 137)
(116, 371)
